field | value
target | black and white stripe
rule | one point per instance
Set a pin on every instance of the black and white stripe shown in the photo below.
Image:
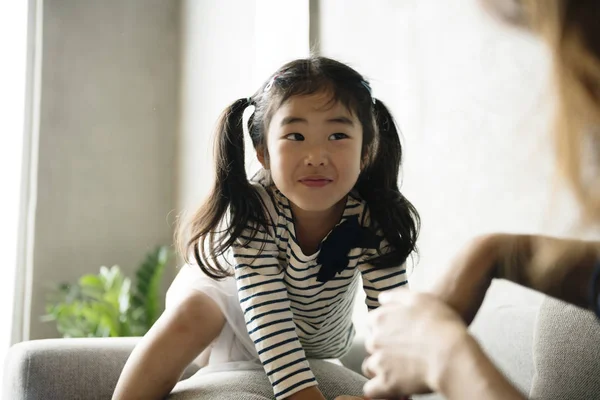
(289, 314)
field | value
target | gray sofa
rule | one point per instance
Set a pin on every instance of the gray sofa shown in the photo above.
(550, 351)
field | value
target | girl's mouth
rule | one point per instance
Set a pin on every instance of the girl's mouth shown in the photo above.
(316, 181)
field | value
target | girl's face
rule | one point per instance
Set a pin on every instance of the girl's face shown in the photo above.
(313, 151)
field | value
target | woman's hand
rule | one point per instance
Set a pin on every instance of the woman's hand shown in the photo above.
(411, 341)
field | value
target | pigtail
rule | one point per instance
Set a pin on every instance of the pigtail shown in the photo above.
(391, 212)
(233, 204)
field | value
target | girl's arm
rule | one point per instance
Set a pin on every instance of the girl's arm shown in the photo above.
(309, 393)
(269, 319)
(173, 342)
(376, 281)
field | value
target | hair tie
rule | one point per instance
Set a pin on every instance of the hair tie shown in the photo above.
(368, 87)
(271, 82)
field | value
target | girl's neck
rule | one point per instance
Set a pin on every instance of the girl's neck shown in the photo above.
(312, 226)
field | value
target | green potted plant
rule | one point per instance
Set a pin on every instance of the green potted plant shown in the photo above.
(109, 304)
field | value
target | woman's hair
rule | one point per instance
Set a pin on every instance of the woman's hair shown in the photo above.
(571, 28)
(234, 205)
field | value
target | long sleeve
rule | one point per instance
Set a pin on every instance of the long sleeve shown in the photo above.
(376, 281)
(269, 319)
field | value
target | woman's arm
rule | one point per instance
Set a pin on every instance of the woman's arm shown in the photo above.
(471, 375)
(420, 333)
(561, 268)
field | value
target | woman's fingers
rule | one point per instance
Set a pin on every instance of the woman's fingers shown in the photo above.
(369, 366)
(407, 338)
(394, 295)
(377, 389)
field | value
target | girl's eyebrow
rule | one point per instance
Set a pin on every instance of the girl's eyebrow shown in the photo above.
(336, 120)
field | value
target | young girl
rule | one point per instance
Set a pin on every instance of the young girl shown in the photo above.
(278, 256)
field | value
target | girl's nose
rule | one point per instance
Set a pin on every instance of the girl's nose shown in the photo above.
(316, 156)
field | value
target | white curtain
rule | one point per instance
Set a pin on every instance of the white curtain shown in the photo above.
(13, 77)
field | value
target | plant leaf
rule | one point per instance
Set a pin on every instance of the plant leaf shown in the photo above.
(107, 304)
(92, 281)
(149, 277)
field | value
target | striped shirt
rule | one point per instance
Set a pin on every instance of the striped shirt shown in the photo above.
(289, 314)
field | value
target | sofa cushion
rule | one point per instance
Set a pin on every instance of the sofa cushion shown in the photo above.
(566, 353)
(334, 380)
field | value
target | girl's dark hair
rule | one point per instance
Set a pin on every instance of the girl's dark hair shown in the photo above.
(233, 205)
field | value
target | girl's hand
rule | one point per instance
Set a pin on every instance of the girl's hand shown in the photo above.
(411, 341)
(347, 397)
(464, 284)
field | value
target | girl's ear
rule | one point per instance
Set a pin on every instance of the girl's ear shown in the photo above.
(364, 161)
(263, 157)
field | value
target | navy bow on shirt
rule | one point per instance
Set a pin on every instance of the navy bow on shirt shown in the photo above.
(348, 235)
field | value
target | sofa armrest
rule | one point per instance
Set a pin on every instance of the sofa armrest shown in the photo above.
(66, 368)
(566, 353)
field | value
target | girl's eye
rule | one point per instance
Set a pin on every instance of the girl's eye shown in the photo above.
(294, 136)
(338, 136)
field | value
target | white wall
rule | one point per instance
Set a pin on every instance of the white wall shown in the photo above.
(472, 99)
(107, 137)
(228, 49)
